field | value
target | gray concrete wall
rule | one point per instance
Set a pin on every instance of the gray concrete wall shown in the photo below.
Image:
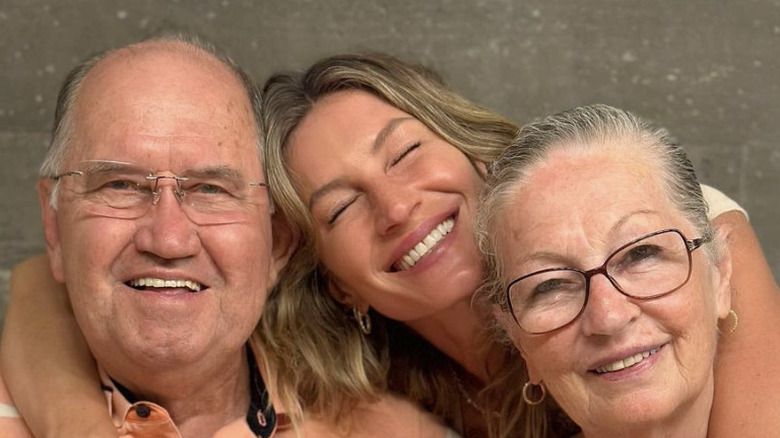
(707, 69)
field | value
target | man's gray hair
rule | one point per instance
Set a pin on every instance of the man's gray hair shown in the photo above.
(64, 124)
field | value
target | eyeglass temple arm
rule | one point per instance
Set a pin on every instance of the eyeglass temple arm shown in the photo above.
(68, 173)
(695, 243)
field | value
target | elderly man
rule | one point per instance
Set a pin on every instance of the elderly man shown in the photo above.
(157, 217)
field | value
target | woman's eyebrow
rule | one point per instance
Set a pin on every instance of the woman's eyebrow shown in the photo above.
(324, 190)
(380, 139)
(385, 132)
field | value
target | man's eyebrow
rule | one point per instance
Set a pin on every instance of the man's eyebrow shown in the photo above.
(385, 132)
(219, 172)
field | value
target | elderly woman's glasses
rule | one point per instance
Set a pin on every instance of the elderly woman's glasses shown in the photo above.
(210, 196)
(648, 267)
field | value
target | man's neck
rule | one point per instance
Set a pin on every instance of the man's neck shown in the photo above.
(199, 399)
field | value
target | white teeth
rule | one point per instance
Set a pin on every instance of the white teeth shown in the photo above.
(159, 282)
(426, 245)
(625, 363)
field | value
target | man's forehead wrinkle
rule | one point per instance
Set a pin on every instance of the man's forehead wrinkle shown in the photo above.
(145, 80)
(162, 93)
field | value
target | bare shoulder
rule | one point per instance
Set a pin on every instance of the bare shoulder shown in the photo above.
(389, 417)
(33, 273)
(747, 367)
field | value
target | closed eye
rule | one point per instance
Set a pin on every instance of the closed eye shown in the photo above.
(405, 152)
(340, 209)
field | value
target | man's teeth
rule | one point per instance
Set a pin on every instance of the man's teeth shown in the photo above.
(625, 363)
(159, 282)
(426, 245)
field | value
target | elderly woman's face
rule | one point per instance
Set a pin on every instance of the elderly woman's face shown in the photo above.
(393, 205)
(623, 361)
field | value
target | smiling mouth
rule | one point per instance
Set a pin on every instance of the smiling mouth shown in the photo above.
(148, 283)
(627, 362)
(408, 260)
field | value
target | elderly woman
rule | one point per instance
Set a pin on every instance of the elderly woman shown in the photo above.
(606, 273)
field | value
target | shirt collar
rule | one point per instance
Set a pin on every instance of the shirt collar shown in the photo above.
(260, 417)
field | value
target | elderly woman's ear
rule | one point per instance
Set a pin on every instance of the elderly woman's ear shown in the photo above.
(722, 270)
(510, 329)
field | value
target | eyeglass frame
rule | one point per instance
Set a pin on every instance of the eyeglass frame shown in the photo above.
(155, 190)
(690, 246)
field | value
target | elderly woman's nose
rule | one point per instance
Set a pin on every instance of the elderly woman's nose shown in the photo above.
(608, 311)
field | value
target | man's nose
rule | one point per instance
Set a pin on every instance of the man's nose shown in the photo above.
(608, 311)
(165, 230)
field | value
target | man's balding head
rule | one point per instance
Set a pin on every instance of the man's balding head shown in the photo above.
(173, 44)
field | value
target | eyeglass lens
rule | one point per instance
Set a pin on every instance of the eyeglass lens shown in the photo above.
(125, 191)
(646, 268)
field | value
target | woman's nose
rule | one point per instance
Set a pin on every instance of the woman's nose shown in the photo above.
(394, 206)
(608, 311)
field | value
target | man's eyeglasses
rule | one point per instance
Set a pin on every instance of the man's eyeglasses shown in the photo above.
(648, 267)
(211, 196)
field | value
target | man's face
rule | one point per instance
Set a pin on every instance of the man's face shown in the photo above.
(170, 112)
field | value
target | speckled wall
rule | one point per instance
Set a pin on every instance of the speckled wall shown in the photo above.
(707, 69)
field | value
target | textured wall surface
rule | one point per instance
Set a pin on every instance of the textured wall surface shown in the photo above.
(706, 69)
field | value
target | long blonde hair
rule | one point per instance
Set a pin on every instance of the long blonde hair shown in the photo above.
(329, 364)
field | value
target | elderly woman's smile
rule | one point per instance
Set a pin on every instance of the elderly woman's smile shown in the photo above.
(632, 363)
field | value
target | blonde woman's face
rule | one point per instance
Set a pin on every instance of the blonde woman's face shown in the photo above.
(393, 205)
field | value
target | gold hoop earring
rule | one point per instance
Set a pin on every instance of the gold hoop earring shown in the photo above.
(527, 399)
(363, 320)
(735, 323)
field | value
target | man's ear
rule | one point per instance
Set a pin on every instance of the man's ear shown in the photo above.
(51, 229)
(285, 242)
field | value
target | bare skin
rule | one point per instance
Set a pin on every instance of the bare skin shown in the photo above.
(746, 400)
(87, 418)
(747, 370)
(23, 361)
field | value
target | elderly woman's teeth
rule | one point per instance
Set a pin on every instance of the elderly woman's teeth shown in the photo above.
(426, 245)
(625, 363)
(160, 283)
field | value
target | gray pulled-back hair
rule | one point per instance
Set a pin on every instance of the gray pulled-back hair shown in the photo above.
(582, 128)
